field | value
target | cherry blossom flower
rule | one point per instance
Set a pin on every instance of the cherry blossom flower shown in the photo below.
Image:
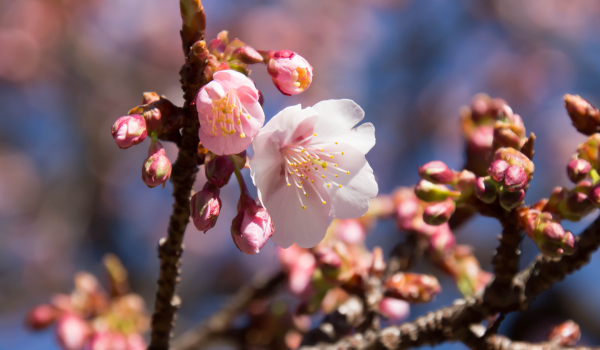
(291, 73)
(309, 165)
(229, 113)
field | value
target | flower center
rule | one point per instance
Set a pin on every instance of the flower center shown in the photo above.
(226, 115)
(302, 81)
(307, 163)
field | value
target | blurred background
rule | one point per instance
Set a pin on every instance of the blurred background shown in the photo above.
(69, 69)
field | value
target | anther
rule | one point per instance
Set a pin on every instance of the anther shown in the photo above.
(314, 134)
(303, 207)
(324, 202)
(340, 186)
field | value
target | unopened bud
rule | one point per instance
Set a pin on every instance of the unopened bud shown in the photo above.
(441, 242)
(505, 135)
(149, 97)
(437, 172)
(514, 157)
(515, 178)
(553, 240)
(157, 167)
(394, 309)
(576, 206)
(585, 117)
(511, 200)
(466, 183)
(248, 55)
(497, 170)
(588, 150)
(594, 195)
(205, 207)
(129, 130)
(72, 332)
(486, 189)
(328, 259)
(565, 334)
(378, 265)
(252, 226)
(41, 317)
(412, 287)
(218, 170)
(480, 107)
(578, 169)
(430, 192)
(290, 72)
(439, 213)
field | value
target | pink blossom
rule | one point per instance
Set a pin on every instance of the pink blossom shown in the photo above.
(129, 130)
(301, 273)
(394, 309)
(290, 72)
(205, 207)
(229, 113)
(157, 167)
(350, 231)
(309, 165)
(72, 332)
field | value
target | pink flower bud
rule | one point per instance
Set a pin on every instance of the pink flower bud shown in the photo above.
(218, 170)
(290, 72)
(515, 178)
(481, 140)
(497, 170)
(585, 117)
(569, 243)
(301, 272)
(437, 172)
(442, 242)
(565, 334)
(577, 205)
(511, 200)
(429, 192)
(247, 55)
(594, 195)
(252, 226)
(157, 167)
(395, 309)
(578, 169)
(439, 213)
(514, 157)
(350, 231)
(328, 259)
(205, 207)
(486, 189)
(129, 130)
(72, 332)
(149, 97)
(41, 317)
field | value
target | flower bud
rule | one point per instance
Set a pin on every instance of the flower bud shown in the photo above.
(480, 107)
(378, 266)
(412, 287)
(439, 213)
(129, 130)
(430, 192)
(576, 206)
(328, 259)
(350, 231)
(511, 200)
(514, 157)
(578, 169)
(252, 226)
(486, 189)
(441, 243)
(594, 195)
(515, 178)
(585, 117)
(565, 334)
(157, 167)
(505, 135)
(395, 310)
(589, 150)
(466, 183)
(205, 207)
(300, 273)
(41, 317)
(290, 72)
(497, 170)
(149, 97)
(437, 172)
(72, 332)
(553, 240)
(218, 170)
(247, 55)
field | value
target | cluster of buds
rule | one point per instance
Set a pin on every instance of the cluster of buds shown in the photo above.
(444, 189)
(544, 229)
(90, 318)
(156, 117)
(290, 72)
(489, 124)
(507, 180)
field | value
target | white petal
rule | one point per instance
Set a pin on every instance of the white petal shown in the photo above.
(265, 165)
(358, 187)
(305, 227)
(337, 116)
(362, 137)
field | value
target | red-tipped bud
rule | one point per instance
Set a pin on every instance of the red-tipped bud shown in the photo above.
(439, 213)
(553, 240)
(41, 317)
(129, 130)
(430, 192)
(585, 117)
(486, 189)
(247, 55)
(565, 334)
(514, 157)
(157, 167)
(511, 200)
(218, 170)
(497, 170)
(594, 196)
(412, 287)
(481, 140)
(290, 72)
(569, 243)
(72, 332)
(578, 169)
(252, 226)
(395, 309)
(515, 178)
(205, 207)
(437, 172)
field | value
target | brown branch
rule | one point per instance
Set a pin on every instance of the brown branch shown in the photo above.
(182, 176)
(476, 340)
(219, 322)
